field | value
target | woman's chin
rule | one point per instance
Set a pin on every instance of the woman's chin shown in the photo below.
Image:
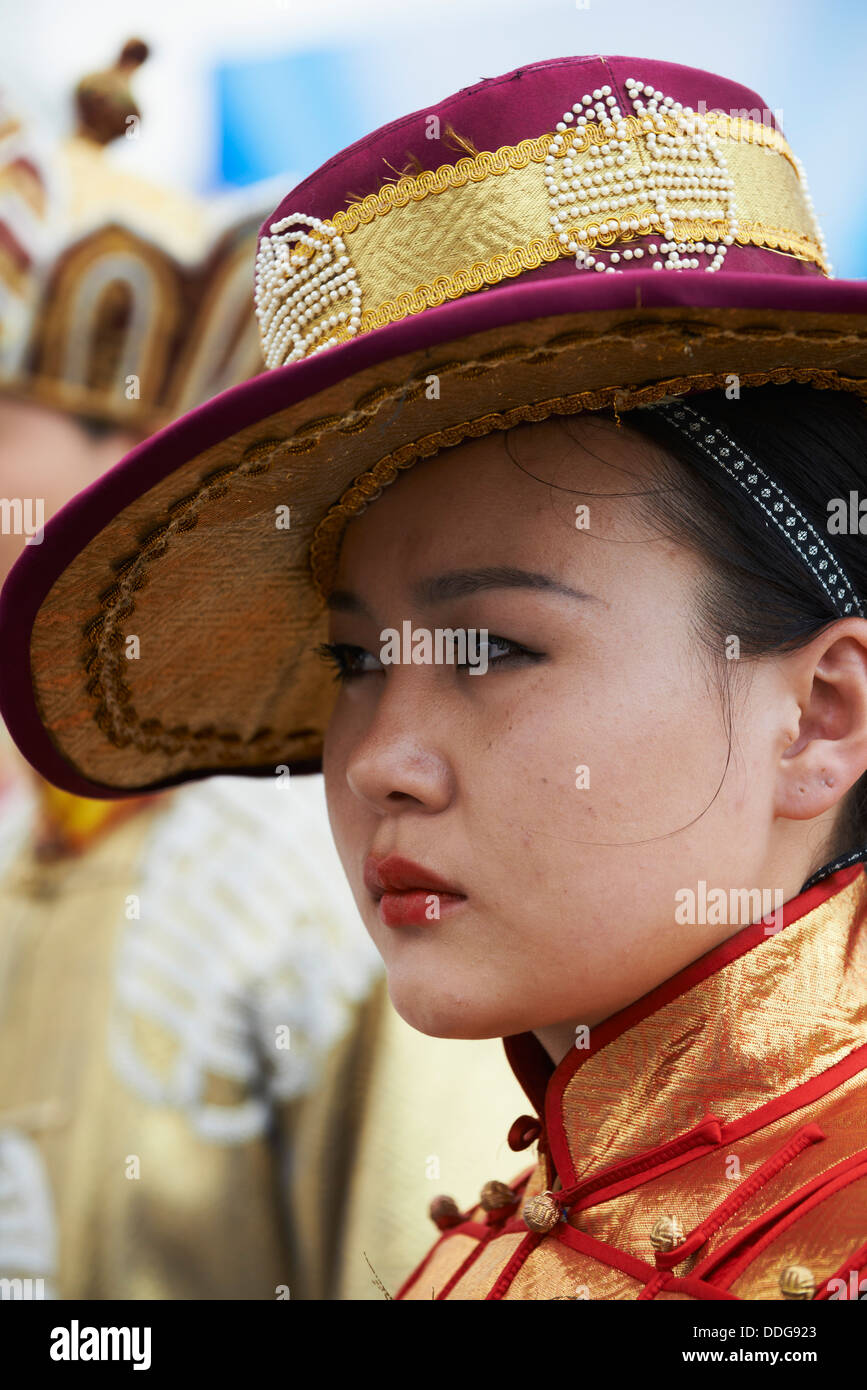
(444, 1014)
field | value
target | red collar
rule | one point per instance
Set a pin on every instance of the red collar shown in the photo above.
(657, 1073)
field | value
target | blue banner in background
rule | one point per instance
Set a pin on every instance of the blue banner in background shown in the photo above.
(290, 112)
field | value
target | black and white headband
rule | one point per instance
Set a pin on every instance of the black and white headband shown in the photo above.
(780, 511)
(787, 518)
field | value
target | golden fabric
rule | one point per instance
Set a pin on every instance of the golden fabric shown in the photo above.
(729, 1105)
(792, 1008)
(561, 1274)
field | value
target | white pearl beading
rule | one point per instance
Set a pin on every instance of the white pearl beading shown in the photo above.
(306, 288)
(811, 212)
(686, 168)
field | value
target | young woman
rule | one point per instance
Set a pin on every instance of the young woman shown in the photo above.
(584, 553)
(692, 672)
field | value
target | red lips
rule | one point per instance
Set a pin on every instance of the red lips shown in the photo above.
(407, 893)
(397, 875)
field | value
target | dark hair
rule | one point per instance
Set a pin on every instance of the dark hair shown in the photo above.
(813, 442)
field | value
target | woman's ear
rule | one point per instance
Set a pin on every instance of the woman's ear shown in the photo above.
(829, 751)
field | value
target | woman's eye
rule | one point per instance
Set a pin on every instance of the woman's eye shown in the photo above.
(348, 661)
(498, 651)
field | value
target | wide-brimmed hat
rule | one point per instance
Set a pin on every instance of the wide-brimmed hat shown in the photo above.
(579, 234)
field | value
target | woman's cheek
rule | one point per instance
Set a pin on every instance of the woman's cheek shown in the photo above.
(344, 809)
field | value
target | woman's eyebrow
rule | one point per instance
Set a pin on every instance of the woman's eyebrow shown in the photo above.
(344, 601)
(458, 583)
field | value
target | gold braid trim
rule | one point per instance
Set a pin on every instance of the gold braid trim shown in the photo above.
(542, 250)
(746, 131)
(414, 188)
(115, 713)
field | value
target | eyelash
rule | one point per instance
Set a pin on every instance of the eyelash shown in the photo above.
(337, 655)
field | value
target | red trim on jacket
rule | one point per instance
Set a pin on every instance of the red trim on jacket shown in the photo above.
(506, 1275)
(419, 1269)
(544, 1083)
(697, 1288)
(716, 1219)
(532, 1066)
(482, 1232)
(702, 1139)
(727, 1263)
(491, 1233)
(603, 1252)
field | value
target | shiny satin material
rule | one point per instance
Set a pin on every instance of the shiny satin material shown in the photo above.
(783, 1012)
(732, 1098)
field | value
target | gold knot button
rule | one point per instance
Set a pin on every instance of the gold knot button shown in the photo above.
(445, 1212)
(495, 1195)
(667, 1233)
(541, 1214)
(796, 1281)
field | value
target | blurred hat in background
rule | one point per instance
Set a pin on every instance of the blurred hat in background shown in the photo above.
(121, 301)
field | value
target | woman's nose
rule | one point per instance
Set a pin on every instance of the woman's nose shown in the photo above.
(400, 757)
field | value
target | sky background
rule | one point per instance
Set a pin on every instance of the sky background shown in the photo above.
(235, 93)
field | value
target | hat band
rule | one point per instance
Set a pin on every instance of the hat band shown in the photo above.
(456, 229)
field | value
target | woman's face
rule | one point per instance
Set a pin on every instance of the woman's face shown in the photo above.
(568, 877)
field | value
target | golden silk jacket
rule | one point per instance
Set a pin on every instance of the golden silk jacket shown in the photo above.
(710, 1141)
